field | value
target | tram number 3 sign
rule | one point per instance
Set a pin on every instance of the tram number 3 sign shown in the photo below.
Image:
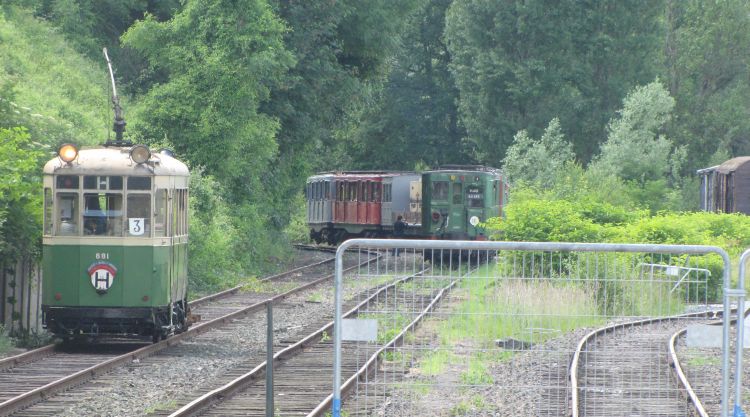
(136, 226)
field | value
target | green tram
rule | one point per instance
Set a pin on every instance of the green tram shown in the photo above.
(455, 199)
(115, 242)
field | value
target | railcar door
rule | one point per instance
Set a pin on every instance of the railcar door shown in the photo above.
(475, 199)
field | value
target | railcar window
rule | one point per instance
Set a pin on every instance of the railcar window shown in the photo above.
(47, 211)
(387, 193)
(139, 183)
(474, 197)
(160, 213)
(440, 190)
(139, 218)
(341, 191)
(376, 192)
(457, 192)
(352, 191)
(67, 181)
(102, 214)
(179, 213)
(92, 182)
(67, 212)
(328, 190)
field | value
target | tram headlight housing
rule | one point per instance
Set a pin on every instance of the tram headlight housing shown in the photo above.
(167, 152)
(140, 154)
(68, 152)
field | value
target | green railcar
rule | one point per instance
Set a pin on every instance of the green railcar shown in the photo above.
(115, 242)
(455, 200)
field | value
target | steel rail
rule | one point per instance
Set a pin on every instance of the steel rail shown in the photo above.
(26, 357)
(40, 393)
(374, 360)
(574, 363)
(231, 291)
(681, 377)
(219, 394)
(47, 350)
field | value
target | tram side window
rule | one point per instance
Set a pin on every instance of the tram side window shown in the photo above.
(327, 190)
(160, 213)
(102, 214)
(179, 213)
(440, 190)
(48, 211)
(139, 219)
(67, 212)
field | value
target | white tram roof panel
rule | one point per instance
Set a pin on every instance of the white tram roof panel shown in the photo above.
(116, 161)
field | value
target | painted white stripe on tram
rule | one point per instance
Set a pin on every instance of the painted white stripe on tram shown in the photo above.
(113, 241)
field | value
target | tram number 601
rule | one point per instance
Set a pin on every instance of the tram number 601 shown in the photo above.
(102, 255)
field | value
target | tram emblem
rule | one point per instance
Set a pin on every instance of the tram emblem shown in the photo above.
(102, 276)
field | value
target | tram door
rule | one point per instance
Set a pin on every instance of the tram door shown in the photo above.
(457, 213)
(474, 208)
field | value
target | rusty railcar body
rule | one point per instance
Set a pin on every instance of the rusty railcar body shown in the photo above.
(725, 188)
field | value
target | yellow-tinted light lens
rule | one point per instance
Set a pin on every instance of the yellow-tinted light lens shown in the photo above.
(140, 154)
(68, 152)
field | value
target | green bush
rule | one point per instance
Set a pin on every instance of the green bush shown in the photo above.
(548, 221)
(564, 221)
(212, 259)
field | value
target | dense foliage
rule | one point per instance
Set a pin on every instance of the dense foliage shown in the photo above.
(604, 108)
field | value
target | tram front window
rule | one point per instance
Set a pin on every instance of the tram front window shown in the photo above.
(102, 214)
(67, 212)
(139, 217)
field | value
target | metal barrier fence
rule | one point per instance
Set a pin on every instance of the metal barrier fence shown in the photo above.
(500, 338)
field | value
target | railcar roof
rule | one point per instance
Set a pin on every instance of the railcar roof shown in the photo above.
(116, 161)
(733, 164)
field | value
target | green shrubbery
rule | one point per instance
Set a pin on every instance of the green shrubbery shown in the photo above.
(535, 215)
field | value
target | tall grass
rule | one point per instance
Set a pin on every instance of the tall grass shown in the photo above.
(525, 310)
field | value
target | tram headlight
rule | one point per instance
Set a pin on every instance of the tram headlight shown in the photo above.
(68, 152)
(140, 154)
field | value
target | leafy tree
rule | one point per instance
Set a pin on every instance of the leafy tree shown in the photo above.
(635, 149)
(538, 162)
(707, 62)
(341, 50)
(222, 58)
(415, 117)
(20, 197)
(638, 153)
(518, 64)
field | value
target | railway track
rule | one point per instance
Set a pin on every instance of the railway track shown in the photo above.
(38, 375)
(304, 369)
(631, 369)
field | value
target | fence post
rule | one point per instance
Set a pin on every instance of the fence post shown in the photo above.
(269, 360)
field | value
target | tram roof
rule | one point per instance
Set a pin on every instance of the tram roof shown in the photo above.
(116, 161)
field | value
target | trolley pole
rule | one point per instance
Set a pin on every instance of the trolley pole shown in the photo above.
(269, 360)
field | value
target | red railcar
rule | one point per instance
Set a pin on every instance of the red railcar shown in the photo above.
(357, 200)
